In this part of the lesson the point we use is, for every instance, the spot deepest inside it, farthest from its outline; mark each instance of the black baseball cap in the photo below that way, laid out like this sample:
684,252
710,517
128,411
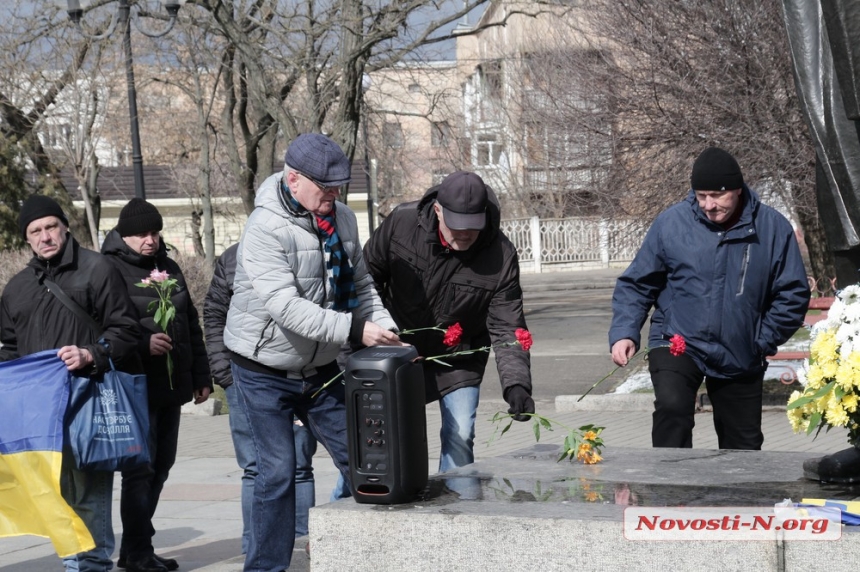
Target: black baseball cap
463,198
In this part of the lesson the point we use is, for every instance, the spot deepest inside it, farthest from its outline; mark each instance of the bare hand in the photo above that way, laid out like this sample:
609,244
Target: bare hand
622,351
201,395
160,344
376,335
74,357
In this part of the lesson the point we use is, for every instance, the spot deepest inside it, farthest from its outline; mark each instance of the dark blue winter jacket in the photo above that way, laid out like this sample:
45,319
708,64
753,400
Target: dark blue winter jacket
734,295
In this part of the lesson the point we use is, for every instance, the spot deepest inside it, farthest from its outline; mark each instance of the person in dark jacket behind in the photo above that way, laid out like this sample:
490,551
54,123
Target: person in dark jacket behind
443,260
135,248
32,319
724,272
215,309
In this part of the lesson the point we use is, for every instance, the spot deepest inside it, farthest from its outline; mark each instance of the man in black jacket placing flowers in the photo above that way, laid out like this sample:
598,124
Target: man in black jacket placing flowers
176,365
443,261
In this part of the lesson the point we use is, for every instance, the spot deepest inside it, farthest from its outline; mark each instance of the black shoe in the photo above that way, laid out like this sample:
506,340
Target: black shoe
147,564
842,467
169,563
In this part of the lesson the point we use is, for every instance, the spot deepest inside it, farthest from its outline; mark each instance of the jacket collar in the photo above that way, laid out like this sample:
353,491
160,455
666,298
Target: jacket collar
744,223
66,257
116,246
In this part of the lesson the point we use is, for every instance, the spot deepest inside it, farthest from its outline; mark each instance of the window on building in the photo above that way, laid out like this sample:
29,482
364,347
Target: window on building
440,134
439,175
392,135
489,148
58,135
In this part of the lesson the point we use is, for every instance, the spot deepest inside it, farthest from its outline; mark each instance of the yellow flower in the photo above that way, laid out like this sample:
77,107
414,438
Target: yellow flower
845,376
592,458
592,496
824,347
795,417
589,436
829,369
849,402
853,360
814,377
836,416
584,449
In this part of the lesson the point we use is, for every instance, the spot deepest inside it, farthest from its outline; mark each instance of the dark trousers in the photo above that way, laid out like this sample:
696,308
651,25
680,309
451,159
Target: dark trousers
736,402
142,485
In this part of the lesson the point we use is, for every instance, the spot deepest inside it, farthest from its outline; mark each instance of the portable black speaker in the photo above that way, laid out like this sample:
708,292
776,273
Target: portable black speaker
386,425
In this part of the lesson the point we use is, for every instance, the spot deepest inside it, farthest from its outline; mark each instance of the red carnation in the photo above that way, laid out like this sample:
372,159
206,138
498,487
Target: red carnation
677,345
524,337
453,335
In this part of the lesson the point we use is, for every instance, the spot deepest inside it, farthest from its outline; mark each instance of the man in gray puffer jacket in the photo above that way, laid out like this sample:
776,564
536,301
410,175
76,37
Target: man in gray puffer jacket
301,291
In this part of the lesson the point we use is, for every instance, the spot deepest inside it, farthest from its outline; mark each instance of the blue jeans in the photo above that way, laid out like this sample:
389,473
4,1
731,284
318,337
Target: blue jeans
340,490
271,401
89,493
458,427
306,447
306,492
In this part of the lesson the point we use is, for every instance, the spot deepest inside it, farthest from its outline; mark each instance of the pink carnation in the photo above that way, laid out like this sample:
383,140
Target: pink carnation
157,276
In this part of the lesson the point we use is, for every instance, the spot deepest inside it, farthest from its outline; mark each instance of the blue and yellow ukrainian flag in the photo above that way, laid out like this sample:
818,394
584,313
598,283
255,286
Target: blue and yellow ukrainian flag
35,393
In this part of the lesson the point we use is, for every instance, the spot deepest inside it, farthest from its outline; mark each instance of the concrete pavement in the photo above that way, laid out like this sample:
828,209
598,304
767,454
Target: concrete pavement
199,518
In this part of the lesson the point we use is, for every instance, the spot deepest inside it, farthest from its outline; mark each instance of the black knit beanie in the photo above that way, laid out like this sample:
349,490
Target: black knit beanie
716,170
138,217
36,207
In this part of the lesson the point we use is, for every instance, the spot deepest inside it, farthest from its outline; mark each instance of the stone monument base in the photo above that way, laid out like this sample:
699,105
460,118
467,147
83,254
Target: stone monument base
524,511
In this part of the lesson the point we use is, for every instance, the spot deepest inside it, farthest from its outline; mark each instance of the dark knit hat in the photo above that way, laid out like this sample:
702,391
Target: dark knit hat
463,198
319,159
138,217
716,170
36,207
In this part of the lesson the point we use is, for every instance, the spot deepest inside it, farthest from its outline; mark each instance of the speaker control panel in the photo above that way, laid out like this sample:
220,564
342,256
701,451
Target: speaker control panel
373,439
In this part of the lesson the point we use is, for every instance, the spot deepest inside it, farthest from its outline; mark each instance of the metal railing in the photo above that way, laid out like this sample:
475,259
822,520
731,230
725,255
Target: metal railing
570,243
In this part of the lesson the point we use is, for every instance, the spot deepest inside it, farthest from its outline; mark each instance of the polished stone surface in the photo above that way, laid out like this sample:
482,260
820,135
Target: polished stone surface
645,477
524,510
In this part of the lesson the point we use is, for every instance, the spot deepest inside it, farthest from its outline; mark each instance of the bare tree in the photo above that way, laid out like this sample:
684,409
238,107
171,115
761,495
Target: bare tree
607,105
37,64
298,66
686,75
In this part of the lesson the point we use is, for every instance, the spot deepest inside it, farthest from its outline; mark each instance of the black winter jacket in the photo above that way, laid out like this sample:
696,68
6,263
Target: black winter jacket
32,319
190,365
215,309
424,284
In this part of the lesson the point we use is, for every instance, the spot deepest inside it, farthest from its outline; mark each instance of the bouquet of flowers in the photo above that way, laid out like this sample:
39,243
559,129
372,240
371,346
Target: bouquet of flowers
164,310
831,374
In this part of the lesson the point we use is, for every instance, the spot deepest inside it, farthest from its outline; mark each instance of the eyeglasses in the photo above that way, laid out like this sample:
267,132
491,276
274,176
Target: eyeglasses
321,186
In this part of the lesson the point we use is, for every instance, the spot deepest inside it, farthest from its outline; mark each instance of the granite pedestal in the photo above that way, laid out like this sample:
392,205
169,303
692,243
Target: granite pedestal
524,511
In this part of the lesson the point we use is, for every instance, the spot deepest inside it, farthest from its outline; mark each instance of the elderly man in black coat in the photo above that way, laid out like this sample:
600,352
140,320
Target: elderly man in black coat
135,247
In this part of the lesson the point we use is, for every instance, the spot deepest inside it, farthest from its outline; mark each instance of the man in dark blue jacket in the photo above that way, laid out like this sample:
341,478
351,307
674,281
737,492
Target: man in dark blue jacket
723,271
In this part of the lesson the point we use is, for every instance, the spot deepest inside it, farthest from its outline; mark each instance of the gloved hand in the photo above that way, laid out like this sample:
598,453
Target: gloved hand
520,402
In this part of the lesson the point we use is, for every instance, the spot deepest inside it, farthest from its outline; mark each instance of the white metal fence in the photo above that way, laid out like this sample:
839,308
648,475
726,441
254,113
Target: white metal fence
565,244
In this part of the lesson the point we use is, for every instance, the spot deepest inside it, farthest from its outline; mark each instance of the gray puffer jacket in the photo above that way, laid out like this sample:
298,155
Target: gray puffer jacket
281,312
